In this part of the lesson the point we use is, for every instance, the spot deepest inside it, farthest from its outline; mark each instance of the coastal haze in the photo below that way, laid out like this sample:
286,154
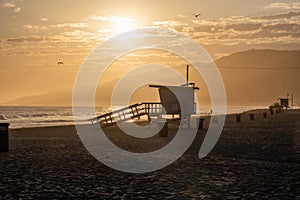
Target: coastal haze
254,45
254,77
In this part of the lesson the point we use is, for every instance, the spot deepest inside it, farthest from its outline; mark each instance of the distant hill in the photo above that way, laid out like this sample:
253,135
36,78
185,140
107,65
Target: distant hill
261,58
258,77
254,77
54,98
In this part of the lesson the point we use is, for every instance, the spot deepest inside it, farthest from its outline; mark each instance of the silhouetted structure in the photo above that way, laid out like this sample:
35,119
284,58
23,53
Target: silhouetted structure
178,101
4,137
284,102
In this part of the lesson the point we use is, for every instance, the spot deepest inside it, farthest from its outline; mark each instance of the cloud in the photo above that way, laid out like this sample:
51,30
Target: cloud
75,33
34,27
110,18
69,26
208,29
24,39
170,23
13,6
9,5
244,27
44,19
287,15
283,27
283,5
100,18
17,9
67,43
27,26
280,28
182,16
72,25
79,36
271,33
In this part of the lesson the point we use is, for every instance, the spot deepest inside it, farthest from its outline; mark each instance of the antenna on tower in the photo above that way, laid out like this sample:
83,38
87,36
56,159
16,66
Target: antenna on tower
187,74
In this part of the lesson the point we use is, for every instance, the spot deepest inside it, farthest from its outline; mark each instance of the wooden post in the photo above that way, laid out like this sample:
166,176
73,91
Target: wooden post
238,117
251,115
265,115
4,137
164,131
201,120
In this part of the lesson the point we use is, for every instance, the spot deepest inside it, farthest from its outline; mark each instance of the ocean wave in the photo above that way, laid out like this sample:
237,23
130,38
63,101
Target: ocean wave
55,121
53,116
30,116
13,117
35,115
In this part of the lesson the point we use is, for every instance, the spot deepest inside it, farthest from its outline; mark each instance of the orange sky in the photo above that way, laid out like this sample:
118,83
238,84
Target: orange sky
35,34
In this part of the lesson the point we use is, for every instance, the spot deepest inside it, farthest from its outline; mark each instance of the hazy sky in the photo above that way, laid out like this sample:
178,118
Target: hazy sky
35,34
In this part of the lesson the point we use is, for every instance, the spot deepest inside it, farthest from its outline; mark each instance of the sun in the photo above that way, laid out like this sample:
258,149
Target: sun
122,24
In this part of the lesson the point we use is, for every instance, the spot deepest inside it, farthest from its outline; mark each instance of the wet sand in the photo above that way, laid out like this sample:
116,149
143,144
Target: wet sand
252,159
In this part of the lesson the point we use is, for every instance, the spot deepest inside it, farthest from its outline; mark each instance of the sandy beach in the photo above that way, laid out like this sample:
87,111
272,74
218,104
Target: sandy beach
257,159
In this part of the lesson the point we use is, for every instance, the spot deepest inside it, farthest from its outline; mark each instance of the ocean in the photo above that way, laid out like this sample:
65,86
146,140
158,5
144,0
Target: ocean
31,116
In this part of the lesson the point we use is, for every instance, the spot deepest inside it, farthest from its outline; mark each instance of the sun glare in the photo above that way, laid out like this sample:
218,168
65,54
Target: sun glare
121,24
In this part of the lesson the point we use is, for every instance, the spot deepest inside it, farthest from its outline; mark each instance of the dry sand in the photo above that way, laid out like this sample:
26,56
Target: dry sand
252,159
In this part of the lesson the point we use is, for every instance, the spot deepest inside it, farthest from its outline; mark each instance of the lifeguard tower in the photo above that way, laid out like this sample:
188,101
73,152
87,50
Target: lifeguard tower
284,102
177,103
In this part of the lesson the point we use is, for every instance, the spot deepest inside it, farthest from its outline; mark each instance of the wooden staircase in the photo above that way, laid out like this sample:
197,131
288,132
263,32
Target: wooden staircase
124,114
135,111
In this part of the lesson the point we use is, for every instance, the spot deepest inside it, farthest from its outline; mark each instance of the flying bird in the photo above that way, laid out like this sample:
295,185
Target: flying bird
197,15
60,63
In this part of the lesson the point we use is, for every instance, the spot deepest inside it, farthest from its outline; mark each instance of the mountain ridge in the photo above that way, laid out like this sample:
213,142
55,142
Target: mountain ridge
267,58
244,85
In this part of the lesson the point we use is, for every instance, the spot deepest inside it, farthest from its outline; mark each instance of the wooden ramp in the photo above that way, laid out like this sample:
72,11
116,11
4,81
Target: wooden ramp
135,111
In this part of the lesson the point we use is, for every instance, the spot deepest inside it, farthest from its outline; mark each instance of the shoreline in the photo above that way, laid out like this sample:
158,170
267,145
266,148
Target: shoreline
52,116
254,111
